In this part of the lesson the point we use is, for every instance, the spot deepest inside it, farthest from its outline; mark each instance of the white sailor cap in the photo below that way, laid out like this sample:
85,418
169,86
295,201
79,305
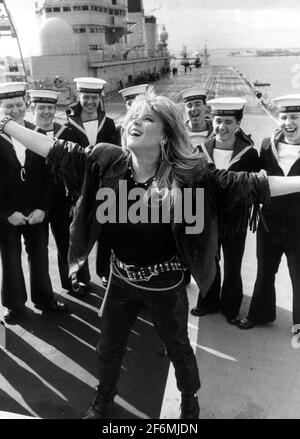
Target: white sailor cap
90,85
191,94
227,106
133,92
288,103
43,96
10,90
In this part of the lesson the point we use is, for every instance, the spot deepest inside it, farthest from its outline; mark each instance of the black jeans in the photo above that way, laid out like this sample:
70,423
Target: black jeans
169,313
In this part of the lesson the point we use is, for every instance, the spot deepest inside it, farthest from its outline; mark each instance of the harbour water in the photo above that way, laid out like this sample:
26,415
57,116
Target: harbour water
283,72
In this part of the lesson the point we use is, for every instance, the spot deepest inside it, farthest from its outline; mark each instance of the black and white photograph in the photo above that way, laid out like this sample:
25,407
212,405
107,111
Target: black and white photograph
149,213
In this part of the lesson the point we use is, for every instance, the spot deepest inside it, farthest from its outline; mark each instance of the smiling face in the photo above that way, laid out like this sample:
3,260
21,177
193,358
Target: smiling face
89,102
289,123
14,107
225,128
144,131
195,111
43,114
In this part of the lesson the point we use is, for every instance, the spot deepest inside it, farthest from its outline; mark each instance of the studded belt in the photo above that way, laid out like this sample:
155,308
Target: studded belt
135,273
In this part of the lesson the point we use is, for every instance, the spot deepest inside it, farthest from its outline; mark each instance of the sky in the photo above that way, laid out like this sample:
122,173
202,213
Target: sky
222,23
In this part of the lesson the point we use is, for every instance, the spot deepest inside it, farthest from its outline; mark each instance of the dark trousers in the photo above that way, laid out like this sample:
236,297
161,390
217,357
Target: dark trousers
230,297
13,290
103,258
60,221
269,250
169,314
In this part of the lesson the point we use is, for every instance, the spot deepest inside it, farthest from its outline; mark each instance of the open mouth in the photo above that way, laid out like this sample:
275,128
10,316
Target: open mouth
290,130
134,132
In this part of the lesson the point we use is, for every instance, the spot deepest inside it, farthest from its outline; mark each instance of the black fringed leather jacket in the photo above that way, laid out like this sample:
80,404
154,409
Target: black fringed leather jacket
107,164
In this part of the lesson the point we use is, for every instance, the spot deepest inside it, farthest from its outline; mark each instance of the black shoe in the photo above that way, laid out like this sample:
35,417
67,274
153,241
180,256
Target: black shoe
53,306
199,312
246,324
80,292
189,408
104,281
233,320
101,405
12,315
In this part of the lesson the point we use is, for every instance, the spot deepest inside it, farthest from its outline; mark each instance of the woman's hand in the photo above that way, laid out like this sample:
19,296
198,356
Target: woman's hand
36,217
17,219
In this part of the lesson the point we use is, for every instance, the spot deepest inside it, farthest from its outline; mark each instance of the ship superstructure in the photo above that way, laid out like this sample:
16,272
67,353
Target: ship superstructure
110,39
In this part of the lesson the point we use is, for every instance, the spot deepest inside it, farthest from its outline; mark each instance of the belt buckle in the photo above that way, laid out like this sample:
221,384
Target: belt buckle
152,273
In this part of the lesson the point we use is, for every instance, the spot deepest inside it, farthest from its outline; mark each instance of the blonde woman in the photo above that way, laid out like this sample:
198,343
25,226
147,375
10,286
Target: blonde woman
157,163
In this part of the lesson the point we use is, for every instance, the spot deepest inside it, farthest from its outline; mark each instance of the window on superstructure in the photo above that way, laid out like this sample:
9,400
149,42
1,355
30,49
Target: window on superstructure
76,8
66,9
105,10
82,30
95,47
100,9
48,9
56,9
94,8
111,12
85,8
116,11
114,2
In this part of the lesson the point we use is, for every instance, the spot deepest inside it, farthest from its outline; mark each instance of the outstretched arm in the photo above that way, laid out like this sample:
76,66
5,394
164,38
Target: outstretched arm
283,185
36,142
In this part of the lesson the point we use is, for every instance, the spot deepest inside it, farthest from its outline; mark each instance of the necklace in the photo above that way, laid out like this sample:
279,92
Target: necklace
146,184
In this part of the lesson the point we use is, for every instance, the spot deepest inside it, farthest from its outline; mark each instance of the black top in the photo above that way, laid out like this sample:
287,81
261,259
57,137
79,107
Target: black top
125,239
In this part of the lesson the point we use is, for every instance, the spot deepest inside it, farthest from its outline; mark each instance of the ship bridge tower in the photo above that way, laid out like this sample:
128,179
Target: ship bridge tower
96,25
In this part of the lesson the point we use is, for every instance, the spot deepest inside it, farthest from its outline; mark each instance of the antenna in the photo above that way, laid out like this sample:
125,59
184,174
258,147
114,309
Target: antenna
8,29
152,10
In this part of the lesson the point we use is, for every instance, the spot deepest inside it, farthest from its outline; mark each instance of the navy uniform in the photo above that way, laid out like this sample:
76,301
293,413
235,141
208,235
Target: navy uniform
233,223
199,127
60,216
24,200
279,229
90,133
95,131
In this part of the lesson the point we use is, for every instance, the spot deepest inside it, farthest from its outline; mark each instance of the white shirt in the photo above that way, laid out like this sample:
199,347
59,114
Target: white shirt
50,134
198,137
287,155
222,158
91,129
20,151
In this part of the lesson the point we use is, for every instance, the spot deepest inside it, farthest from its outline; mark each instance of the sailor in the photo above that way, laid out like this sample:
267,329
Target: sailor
86,118
24,201
198,124
279,233
231,149
89,126
130,93
43,106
